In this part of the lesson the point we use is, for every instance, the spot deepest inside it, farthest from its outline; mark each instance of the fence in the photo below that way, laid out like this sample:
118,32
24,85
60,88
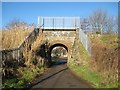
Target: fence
29,39
16,54
85,41
13,55
59,22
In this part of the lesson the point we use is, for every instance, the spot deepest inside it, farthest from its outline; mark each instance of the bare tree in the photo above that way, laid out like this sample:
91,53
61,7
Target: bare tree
16,24
85,24
116,24
110,25
98,20
13,24
101,21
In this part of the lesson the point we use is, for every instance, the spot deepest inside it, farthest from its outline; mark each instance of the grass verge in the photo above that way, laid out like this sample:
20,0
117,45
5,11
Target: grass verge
94,78
27,75
86,70
85,73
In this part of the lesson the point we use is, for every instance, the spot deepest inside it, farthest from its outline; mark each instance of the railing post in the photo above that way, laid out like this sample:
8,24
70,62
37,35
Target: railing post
75,22
43,23
86,43
79,23
53,23
63,22
38,21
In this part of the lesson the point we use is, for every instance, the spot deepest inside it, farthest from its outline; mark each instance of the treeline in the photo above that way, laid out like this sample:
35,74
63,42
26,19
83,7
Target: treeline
100,22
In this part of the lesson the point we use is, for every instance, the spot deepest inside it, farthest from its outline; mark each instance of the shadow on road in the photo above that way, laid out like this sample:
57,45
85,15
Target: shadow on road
57,63
46,78
59,75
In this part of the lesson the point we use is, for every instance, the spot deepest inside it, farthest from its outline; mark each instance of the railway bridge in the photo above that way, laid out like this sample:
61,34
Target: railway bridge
61,31
53,32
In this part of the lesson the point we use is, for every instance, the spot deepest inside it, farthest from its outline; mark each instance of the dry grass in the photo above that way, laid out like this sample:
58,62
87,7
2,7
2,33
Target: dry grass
104,61
108,40
13,38
27,74
105,57
30,54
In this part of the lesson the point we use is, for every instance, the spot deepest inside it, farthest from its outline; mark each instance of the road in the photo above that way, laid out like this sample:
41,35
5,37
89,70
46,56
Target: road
59,76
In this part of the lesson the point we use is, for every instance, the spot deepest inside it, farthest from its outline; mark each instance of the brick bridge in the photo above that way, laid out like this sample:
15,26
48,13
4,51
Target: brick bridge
65,38
59,31
50,32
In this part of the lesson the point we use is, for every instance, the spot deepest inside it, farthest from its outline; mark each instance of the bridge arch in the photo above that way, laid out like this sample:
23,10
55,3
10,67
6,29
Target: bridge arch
58,43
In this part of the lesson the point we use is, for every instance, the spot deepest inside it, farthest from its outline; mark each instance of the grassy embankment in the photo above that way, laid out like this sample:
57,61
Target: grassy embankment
83,70
13,38
24,75
24,79
92,74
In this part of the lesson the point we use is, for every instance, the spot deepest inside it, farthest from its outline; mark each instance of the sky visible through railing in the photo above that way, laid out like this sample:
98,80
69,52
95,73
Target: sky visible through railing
60,22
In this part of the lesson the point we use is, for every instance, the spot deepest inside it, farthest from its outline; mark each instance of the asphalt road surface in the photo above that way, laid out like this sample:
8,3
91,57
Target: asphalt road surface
59,76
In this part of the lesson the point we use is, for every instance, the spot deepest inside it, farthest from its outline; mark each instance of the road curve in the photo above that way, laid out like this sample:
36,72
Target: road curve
60,76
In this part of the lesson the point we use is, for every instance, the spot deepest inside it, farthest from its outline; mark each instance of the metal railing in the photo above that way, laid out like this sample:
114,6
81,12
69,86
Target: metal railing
85,41
59,22
16,53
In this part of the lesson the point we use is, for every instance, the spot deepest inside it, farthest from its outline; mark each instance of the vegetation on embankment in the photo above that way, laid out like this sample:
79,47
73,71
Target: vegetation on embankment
84,72
22,76
14,33
13,38
15,74
101,69
79,64
25,77
105,51
108,40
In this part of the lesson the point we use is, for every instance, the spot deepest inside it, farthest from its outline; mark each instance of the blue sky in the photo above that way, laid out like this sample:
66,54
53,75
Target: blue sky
29,11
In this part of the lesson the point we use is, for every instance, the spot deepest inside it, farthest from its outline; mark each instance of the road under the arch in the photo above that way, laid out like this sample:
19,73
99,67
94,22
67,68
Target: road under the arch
60,76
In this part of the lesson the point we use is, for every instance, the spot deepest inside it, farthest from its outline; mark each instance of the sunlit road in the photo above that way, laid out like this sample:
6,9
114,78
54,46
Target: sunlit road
59,76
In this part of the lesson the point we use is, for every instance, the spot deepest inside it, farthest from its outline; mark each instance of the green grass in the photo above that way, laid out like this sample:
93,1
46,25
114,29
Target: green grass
14,83
83,53
93,77
55,61
27,76
85,73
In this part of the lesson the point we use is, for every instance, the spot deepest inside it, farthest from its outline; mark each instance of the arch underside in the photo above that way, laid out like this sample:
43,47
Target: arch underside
60,43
